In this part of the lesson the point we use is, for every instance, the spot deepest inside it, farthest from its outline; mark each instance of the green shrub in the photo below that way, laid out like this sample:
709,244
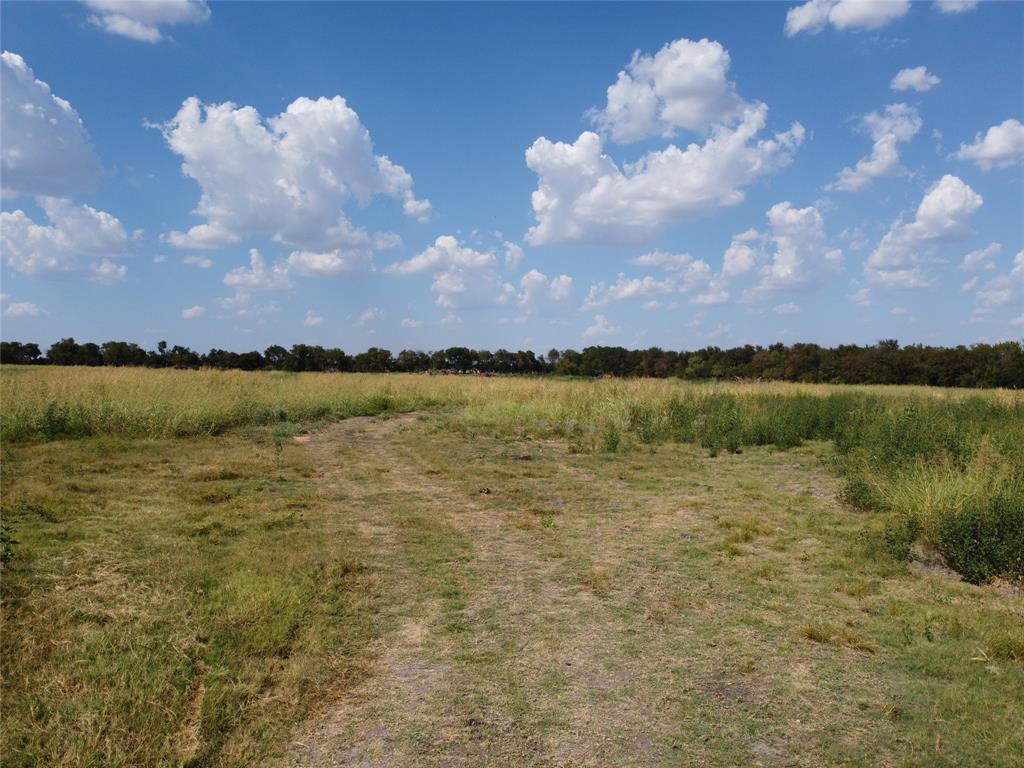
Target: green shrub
773,426
985,539
897,438
680,415
836,410
720,424
643,421
53,421
610,438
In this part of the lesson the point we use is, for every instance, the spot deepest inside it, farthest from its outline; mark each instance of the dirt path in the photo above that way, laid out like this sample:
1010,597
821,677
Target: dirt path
517,659
553,609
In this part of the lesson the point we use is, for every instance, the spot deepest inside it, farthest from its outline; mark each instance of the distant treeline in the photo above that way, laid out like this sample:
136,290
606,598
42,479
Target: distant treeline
979,365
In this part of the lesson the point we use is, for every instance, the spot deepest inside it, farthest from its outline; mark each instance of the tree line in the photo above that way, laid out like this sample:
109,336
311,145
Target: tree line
978,365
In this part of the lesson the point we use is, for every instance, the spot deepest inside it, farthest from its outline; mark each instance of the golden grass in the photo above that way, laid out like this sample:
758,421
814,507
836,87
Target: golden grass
74,401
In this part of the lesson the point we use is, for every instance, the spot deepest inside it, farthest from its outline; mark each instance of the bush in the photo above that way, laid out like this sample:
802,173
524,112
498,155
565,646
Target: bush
778,421
643,421
899,437
610,438
680,417
900,534
986,539
858,491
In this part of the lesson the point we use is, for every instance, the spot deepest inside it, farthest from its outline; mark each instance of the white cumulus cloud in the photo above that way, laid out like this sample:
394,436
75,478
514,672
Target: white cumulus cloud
624,288
446,252
1002,146
463,277
941,219
741,257
1005,290
917,78
513,255
956,6
715,294
369,316
79,240
789,308
813,16
198,261
539,294
600,327
312,319
684,273
898,123
793,254
45,149
23,309
193,312
258,276
671,262
141,19
329,263
684,85
583,196
467,288
861,297
286,177
798,254
982,258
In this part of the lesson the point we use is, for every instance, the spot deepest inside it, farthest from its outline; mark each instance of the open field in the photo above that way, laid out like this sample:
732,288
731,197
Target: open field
207,568
41,402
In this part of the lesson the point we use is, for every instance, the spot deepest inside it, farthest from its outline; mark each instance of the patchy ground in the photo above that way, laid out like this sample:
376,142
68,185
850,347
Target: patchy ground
416,591
649,608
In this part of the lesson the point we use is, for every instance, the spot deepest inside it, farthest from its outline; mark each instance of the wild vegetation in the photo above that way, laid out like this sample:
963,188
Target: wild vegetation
227,568
941,464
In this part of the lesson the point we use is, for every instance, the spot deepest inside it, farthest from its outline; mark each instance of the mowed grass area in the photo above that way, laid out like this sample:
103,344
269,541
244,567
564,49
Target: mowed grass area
172,601
523,572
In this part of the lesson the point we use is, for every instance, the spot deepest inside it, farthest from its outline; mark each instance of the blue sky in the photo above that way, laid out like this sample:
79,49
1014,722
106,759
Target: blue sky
513,175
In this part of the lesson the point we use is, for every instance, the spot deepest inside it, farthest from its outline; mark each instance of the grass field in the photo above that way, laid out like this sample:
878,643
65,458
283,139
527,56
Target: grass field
215,569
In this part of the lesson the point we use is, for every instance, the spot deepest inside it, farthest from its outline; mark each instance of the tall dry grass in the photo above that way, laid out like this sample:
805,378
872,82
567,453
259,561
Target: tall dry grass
47,402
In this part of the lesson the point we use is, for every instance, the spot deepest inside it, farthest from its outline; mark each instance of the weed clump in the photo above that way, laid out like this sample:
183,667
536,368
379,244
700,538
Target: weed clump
1008,645
829,634
680,415
643,420
610,438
